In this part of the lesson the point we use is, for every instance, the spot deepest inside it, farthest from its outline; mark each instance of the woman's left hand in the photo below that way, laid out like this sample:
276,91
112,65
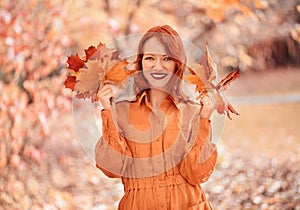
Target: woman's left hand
207,107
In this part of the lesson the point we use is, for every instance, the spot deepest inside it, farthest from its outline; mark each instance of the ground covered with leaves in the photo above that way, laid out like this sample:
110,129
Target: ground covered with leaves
67,179
255,183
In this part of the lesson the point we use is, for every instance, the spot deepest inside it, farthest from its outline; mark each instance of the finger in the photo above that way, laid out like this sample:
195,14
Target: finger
108,82
104,89
105,84
105,93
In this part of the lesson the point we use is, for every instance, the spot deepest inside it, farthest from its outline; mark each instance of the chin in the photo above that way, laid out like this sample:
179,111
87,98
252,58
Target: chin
158,84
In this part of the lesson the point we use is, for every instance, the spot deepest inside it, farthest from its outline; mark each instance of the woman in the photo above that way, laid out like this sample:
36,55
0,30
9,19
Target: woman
159,144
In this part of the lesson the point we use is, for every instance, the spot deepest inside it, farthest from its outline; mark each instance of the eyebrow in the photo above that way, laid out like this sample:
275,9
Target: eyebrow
153,54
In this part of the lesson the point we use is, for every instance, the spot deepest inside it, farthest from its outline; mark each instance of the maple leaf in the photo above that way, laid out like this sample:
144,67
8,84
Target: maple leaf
89,79
204,74
101,65
75,63
220,103
118,72
223,106
199,79
195,80
225,82
115,55
210,64
70,82
94,53
90,52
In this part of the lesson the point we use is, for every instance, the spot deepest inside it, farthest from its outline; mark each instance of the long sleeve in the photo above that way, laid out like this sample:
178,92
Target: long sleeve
112,152
201,155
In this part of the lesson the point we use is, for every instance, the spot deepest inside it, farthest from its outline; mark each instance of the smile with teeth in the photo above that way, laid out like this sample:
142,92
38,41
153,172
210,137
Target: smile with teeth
158,75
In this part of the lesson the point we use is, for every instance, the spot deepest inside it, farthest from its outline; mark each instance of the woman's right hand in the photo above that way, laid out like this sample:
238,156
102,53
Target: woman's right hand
105,94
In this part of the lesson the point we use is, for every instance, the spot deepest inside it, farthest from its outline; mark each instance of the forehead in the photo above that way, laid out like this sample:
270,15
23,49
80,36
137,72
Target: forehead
153,46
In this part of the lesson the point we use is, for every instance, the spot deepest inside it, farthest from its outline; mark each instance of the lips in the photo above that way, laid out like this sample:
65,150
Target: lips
159,76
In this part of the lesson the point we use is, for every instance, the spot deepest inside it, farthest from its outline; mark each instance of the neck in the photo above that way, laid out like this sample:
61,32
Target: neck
156,97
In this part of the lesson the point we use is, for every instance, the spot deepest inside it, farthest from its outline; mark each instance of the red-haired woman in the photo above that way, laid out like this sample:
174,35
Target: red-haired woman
158,143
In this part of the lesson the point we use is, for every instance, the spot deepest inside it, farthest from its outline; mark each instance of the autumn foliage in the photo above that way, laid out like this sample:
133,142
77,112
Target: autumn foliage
31,64
100,65
204,76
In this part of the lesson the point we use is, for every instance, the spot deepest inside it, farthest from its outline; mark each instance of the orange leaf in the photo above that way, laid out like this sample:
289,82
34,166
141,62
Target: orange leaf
118,73
199,71
195,80
202,83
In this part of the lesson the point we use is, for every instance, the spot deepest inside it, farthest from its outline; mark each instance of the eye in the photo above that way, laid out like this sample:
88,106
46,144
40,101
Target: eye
148,58
167,58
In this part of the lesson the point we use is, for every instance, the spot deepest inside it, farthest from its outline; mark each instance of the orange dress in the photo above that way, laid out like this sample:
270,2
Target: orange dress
162,155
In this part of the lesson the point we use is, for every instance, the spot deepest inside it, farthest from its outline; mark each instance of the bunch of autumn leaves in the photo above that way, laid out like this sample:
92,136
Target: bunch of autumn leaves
102,65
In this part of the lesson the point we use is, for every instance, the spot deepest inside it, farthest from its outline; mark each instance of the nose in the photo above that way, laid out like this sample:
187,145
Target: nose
158,64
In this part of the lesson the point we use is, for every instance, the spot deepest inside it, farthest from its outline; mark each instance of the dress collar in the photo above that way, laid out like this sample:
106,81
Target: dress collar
144,98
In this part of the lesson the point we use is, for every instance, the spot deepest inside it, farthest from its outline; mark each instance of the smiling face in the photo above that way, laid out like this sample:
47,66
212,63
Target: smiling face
158,67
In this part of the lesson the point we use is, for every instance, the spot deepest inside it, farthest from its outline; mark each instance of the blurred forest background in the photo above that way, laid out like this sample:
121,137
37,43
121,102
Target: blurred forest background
42,164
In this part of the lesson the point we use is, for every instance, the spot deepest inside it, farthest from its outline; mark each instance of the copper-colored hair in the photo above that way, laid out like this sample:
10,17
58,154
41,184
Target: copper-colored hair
172,42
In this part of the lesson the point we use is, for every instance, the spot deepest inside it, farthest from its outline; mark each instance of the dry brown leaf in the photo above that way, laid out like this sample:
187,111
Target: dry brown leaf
89,79
204,75
225,82
101,64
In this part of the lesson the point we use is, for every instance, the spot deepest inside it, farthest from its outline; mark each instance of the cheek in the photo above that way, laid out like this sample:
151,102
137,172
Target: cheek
171,67
145,65
146,74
